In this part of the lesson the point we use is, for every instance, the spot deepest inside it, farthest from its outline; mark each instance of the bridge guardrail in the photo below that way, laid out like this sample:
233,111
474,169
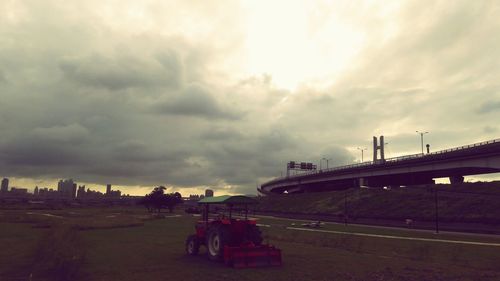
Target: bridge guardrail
392,160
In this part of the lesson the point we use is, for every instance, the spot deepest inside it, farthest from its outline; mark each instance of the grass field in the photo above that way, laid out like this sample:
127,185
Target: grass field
467,203
128,244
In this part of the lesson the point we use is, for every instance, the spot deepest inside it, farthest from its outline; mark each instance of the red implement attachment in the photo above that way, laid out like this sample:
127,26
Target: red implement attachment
252,256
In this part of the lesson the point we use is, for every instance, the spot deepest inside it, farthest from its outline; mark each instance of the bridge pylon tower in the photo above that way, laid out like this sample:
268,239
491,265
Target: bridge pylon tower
378,147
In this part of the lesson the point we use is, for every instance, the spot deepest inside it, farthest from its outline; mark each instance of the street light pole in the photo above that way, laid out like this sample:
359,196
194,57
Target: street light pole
436,208
345,207
362,150
422,139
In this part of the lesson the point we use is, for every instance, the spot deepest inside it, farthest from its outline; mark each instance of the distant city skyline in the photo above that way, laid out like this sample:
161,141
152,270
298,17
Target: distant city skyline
66,189
222,94
31,184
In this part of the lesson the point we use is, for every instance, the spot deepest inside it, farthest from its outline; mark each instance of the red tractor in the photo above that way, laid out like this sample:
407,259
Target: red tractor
233,239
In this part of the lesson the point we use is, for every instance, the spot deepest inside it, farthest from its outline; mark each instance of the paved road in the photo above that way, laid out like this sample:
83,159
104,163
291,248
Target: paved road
391,227
397,237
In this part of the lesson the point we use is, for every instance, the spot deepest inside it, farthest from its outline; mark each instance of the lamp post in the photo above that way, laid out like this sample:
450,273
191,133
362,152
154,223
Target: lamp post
345,207
422,139
327,159
362,150
436,208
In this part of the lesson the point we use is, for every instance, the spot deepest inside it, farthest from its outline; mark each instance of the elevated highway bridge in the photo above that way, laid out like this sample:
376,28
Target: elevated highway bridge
416,169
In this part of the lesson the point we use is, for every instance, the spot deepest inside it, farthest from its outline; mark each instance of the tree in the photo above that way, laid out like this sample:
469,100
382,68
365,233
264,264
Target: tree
171,200
146,202
157,199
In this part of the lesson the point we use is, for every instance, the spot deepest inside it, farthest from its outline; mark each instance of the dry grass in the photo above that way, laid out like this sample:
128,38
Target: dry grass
59,255
106,250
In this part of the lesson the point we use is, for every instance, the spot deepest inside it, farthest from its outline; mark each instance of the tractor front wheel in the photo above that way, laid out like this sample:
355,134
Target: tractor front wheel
192,245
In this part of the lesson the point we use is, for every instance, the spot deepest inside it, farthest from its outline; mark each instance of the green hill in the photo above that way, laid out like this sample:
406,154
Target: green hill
468,202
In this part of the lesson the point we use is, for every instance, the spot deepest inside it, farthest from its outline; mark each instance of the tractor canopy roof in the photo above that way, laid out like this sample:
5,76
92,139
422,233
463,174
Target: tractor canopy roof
228,200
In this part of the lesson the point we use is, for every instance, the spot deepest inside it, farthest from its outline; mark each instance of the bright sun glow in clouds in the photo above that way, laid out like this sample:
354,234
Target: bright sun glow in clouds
293,46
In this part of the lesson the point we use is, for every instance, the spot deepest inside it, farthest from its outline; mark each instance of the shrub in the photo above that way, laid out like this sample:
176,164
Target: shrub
60,254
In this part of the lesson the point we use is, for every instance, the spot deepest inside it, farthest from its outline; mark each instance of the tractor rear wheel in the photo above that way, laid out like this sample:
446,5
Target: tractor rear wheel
192,245
217,238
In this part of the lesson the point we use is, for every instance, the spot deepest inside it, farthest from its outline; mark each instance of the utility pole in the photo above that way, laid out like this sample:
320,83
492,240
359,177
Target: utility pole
362,150
422,139
436,208
345,207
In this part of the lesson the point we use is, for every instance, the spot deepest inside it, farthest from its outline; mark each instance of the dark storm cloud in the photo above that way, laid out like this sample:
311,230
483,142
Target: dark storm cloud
78,98
221,134
73,133
198,102
135,151
243,162
33,153
125,71
57,145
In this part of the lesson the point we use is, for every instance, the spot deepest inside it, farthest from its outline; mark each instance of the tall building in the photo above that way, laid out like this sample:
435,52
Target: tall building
20,192
67,188
45,192
209,193
35,192
5,185
112,193
81,192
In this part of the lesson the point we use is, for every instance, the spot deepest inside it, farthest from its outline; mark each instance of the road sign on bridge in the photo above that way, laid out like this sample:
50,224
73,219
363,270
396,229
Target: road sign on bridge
296,166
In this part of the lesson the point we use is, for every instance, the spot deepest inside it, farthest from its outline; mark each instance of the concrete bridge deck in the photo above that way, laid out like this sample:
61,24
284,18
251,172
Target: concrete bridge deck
454,163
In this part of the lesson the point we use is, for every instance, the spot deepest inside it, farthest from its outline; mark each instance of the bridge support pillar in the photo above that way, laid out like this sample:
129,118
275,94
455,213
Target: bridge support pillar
360,182
456,179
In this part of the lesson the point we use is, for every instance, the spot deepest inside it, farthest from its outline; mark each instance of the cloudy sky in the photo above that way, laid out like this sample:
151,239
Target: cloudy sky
221,94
